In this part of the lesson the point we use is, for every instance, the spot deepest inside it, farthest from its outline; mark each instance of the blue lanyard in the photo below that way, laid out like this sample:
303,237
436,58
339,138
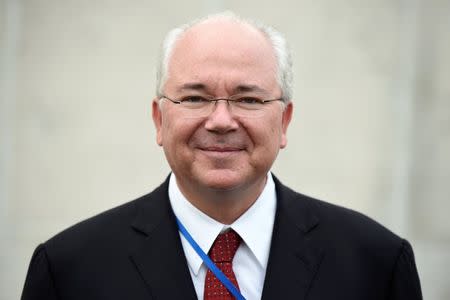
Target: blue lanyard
209,263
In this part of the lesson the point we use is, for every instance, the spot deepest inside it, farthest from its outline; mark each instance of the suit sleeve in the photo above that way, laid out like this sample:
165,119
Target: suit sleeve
39,282
405,283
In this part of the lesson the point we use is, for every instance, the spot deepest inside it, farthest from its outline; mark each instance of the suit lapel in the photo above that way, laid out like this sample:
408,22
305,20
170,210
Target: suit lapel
294,258
160,259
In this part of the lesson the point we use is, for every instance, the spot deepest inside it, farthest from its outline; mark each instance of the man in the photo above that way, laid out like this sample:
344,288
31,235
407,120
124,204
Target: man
221,115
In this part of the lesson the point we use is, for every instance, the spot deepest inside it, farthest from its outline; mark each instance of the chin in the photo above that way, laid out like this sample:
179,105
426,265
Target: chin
221,180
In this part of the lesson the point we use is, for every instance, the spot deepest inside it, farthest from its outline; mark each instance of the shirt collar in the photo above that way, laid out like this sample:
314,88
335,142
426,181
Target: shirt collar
255,226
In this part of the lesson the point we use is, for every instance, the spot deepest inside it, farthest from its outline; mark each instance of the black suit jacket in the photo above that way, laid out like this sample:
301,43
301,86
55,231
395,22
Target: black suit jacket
318,251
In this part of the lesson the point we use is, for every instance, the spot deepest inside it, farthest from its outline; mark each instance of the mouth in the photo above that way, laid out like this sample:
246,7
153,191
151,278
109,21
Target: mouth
221,149
222,152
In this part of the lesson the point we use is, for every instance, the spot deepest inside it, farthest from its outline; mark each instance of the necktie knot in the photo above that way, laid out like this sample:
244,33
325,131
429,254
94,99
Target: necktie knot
225,246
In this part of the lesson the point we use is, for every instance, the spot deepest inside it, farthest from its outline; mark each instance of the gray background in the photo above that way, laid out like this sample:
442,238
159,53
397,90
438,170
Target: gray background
371,128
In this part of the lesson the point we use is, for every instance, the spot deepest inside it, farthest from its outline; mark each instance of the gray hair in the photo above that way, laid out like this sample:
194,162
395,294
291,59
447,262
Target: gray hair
282,53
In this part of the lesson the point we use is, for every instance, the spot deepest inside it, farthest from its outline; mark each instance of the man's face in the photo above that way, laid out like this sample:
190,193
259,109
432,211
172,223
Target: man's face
221,151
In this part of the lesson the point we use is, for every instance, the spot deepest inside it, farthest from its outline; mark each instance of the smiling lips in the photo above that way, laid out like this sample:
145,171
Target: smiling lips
221,149
219,146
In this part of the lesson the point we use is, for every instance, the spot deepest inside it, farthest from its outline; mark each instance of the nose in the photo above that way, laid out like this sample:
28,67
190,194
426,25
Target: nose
221,120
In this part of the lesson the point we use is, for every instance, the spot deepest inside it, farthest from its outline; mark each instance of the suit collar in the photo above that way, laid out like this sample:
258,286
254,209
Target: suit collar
294,258
256,231
159,258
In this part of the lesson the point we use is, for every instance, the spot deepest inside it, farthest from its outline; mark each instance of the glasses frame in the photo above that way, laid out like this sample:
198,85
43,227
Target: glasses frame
229,103
263,101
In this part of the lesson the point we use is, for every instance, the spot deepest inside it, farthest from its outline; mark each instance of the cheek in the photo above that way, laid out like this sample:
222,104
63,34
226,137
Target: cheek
273,140
177,131
266,136
273,133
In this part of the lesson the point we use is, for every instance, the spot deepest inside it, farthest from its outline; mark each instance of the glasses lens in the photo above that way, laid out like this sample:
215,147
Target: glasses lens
198,107
248,108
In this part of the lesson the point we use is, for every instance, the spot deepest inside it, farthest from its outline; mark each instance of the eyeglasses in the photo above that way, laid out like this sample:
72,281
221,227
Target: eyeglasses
201,106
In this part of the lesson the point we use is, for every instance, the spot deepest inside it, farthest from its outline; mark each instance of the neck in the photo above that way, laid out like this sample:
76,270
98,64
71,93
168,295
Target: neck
224,206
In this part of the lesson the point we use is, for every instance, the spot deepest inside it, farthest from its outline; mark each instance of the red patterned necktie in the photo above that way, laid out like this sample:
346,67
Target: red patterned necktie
222,253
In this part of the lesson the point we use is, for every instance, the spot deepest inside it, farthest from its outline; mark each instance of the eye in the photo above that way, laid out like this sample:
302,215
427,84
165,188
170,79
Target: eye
194,100
249,101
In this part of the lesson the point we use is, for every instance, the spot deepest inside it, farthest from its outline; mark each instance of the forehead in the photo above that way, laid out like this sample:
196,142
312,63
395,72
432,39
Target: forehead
222,51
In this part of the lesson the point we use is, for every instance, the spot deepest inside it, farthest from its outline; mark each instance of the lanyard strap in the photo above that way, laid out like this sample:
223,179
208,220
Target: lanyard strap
209,263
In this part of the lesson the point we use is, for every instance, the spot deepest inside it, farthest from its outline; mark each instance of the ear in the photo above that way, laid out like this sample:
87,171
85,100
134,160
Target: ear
286,119
157,120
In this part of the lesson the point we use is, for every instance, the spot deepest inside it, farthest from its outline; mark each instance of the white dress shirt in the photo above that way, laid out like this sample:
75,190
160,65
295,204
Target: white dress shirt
255,227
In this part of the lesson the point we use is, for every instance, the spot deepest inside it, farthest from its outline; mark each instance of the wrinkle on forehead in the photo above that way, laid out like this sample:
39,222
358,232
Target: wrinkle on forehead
241,88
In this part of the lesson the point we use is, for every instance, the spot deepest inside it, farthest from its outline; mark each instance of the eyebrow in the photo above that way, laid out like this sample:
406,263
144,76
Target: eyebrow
247,88
195,86
242,88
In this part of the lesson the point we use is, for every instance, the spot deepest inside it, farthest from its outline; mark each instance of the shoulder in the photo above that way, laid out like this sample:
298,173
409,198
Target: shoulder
115,227
375,261
337,226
